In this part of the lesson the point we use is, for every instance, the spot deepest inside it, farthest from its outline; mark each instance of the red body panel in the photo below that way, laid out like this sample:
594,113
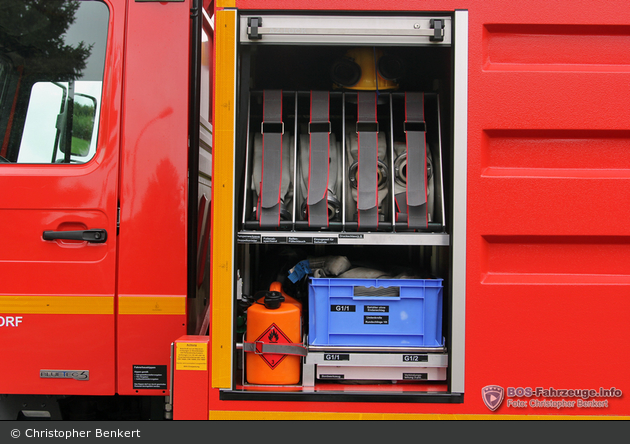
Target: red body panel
141,165
547,265
154,163
136,347
36,198
547,234
191,401
37,344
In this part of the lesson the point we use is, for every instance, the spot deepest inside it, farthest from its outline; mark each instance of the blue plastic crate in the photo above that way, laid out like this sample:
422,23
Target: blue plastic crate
375,312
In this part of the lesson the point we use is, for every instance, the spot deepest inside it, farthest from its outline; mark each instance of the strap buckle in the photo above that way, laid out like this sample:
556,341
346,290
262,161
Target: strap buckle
272,127
319,127
420,127
258,347
367,127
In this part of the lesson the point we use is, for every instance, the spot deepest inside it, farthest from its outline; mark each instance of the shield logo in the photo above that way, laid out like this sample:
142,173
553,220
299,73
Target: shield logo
492,396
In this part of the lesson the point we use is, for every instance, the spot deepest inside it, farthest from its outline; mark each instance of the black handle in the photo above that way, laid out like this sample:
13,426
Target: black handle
96,235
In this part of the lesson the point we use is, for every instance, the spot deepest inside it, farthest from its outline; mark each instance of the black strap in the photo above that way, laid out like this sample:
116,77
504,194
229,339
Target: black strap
271,176
318,163
367,174
416,188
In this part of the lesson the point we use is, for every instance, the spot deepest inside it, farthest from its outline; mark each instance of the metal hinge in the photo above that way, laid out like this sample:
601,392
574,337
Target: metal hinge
438,26
253,23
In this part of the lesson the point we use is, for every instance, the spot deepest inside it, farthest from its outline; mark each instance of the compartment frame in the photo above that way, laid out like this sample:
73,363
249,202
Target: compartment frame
452,237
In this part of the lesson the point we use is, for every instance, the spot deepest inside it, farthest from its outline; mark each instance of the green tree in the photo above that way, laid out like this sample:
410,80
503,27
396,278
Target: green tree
32,33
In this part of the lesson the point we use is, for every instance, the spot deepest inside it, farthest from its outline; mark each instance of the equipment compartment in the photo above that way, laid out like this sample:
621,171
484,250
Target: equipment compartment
328,165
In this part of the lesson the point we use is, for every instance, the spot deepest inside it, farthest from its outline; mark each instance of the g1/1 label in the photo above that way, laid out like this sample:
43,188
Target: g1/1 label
336,357
342,308
415,358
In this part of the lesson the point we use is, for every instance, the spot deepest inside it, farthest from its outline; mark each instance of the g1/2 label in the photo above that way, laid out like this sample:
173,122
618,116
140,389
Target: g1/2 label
343,308
415,358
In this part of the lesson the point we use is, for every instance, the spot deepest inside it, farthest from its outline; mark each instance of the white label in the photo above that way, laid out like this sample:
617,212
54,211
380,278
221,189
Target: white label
10,321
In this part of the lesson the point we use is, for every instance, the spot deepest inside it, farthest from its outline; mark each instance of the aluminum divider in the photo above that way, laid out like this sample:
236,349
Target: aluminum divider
392,188
438,169
295,158
343,161
246,179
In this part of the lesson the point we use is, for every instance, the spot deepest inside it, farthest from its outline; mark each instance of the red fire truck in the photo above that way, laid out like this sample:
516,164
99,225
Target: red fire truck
287,210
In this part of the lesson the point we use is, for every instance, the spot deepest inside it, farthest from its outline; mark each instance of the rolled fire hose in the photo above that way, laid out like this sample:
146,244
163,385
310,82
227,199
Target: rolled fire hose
335,175
400,175
326,266
286,190
352,156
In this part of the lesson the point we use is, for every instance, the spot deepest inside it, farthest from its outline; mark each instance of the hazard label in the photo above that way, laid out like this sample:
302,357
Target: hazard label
273,335
191,356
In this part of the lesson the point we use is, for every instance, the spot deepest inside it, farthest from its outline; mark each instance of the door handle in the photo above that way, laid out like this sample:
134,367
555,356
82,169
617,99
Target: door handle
96,235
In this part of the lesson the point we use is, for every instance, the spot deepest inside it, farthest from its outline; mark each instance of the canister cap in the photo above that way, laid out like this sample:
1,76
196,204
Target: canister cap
273,299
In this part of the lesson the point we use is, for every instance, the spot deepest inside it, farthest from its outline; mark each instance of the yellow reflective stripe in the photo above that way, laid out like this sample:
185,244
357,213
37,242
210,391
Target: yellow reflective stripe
332,416
151,305
223,198
57,305
226,3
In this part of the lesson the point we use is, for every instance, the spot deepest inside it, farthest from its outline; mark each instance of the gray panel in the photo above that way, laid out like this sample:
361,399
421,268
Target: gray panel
460,166
378,359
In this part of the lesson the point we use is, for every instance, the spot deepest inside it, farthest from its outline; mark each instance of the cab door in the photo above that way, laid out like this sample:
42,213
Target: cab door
60,95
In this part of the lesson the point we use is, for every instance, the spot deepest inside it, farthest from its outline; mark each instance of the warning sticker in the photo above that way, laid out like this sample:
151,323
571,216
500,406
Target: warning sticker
191,356
149,377
273,335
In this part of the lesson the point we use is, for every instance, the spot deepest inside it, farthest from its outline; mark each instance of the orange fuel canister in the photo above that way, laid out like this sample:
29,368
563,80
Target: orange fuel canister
277,286
273,341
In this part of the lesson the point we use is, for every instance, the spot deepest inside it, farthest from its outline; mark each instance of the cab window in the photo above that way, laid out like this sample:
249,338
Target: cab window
52,60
